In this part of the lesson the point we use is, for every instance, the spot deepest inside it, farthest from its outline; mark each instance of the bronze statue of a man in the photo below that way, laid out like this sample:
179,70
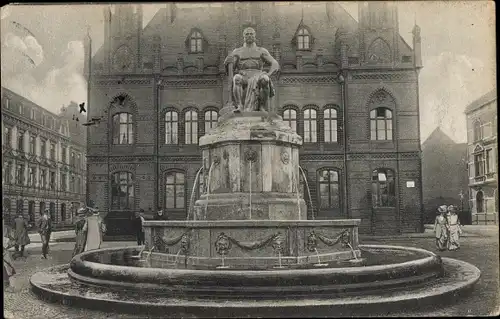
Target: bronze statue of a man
251,85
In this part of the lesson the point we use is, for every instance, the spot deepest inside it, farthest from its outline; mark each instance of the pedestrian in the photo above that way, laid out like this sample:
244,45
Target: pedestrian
8,264
138,227
80,231
20,235
45,229
441,229
95,230
454,228
160,215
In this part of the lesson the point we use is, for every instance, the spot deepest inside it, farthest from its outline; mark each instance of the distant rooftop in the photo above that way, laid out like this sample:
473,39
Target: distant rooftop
485,99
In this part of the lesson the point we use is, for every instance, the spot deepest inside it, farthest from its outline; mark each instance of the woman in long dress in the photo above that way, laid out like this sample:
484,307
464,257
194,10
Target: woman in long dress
95,230
8,264
441,229
81,232
454,228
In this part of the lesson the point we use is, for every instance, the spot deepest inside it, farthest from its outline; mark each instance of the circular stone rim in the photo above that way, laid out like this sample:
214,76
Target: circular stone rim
429,294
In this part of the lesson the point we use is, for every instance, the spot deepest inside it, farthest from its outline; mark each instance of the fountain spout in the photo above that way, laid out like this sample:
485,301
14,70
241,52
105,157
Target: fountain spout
196,182
308,191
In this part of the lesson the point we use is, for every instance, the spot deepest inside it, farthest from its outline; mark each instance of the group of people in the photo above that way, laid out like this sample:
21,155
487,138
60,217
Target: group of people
447,228
89,229
17,236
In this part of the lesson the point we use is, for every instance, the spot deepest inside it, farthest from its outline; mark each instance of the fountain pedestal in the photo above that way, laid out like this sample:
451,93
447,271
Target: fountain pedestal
251,170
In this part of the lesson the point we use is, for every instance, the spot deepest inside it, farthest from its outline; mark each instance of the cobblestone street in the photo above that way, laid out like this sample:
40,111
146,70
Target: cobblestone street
480,251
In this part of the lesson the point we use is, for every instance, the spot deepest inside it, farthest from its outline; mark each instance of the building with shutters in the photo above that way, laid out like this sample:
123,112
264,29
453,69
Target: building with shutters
349,88
44,160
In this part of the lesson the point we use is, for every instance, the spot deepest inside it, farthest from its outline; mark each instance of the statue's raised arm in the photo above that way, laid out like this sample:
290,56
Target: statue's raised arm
251,85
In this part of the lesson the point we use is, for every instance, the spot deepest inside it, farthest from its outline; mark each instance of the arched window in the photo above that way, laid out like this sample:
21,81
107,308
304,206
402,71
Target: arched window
210,120
52,210
330,121
195,42
290,117
123,132
171,127
6,213
191,127
383,188
303,39
63,212
381,124
329,190
31,212
122,191
310,126
478,132
175,185
479,202
20,206
42,208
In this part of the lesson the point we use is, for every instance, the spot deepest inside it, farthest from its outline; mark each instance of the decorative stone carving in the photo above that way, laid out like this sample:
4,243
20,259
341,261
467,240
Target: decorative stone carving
285,157
216,160
222,244
278,243
225,154
185,244
250,155
312,242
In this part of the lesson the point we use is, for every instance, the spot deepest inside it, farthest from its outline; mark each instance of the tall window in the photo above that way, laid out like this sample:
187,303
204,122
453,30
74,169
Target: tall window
31,212
290,117
20,141
78,161
196,42
191,127
63,182
8,172
383,188
175,190
210,120
7,104
490,161
52,210
303,39
122,191
72,183
73,159
52,151
479,202
43,178
6,213
20,206
329,190
78,188
381,124
171,127
43,148
52,180
32,144
63,212
310,126
478,132
123,132
63,153
330,123
7,136
479,164
20,174
31,176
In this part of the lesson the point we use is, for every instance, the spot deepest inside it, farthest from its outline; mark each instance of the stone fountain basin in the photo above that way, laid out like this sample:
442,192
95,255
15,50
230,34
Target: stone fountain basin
93,268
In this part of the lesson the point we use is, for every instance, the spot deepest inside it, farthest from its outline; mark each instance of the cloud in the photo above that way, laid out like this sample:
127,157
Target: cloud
58,87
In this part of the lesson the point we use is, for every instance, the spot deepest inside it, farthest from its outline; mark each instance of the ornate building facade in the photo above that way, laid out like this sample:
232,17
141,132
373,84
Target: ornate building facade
349,88
44,160
482,150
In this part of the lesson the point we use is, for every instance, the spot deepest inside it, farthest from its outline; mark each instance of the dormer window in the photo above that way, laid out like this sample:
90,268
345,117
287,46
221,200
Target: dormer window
195,42
303,39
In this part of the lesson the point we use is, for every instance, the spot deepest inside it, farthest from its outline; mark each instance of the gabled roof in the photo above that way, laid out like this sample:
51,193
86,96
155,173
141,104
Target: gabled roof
483,100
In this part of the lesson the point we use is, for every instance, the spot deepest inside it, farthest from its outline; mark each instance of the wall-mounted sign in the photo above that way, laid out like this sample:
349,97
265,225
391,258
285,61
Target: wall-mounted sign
410,184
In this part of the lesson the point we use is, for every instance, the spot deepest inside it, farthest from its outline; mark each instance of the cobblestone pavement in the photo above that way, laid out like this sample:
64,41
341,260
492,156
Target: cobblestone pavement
481,252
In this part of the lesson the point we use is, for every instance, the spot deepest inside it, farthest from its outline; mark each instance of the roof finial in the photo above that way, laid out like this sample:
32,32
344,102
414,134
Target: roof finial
302,15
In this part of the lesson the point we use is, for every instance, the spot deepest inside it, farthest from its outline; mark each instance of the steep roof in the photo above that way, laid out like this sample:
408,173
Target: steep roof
438,137
485,99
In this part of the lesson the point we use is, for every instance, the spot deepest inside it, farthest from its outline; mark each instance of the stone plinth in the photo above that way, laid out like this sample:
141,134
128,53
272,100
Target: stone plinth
245,243
251,170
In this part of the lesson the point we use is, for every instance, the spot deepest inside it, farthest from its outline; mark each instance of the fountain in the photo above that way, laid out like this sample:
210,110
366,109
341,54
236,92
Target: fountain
251,250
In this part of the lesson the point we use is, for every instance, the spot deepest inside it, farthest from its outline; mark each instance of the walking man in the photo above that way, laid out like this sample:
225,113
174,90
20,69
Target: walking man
45,229
21,237
139,231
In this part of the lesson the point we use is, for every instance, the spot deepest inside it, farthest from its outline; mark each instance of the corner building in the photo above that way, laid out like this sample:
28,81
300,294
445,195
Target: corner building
349,88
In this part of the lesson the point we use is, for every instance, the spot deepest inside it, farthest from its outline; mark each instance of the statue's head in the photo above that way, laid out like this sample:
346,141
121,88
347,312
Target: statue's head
249,35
